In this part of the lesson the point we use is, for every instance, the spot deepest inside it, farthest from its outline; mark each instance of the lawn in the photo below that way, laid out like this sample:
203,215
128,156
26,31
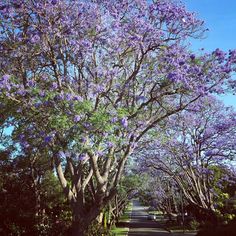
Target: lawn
120,231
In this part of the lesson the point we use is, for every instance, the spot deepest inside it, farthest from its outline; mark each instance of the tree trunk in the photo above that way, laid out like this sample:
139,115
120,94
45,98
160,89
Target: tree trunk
100,217
203,214
83,218
37,202
78,229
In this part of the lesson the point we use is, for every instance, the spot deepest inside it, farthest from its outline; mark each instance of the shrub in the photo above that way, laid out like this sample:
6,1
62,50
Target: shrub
193,224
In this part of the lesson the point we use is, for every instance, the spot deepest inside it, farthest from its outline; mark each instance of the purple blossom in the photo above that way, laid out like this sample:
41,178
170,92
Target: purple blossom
21,137
227,69
173,76
134,145
100,153
124,122
54,86
82,157
47,103
31,83
61,154
19,110
5,82
42,94
232,56
140,98
5,78
98,89
67,153
87,125
37,105
83,140
41,133
25,144
21,92
2,7
59,97
35,39
77,118
110,144
77,98
48,139
114,119
219,54
68,97
192,56
54,2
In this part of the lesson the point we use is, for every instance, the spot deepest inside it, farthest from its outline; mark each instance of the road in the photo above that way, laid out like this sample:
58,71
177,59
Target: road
141,226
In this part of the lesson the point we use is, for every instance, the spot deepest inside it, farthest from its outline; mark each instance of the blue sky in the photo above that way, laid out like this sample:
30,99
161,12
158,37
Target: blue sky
220,19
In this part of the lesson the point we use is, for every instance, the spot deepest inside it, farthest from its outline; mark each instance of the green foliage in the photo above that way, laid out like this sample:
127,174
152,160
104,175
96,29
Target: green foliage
100,120
96,229
22,183
194,224
120,231
85,106
59,122
122,112
128,182
229,217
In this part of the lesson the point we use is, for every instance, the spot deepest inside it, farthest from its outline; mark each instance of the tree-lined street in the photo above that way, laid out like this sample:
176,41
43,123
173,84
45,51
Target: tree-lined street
140,225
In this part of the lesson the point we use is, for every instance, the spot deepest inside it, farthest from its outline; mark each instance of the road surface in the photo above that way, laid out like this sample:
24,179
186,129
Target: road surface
140,226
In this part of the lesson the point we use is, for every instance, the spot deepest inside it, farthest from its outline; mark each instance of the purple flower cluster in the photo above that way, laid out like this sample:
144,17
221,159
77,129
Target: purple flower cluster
77,118
124,122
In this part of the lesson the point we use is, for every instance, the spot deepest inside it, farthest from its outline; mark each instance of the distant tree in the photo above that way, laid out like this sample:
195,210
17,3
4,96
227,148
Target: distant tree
162,194
196,144
128,188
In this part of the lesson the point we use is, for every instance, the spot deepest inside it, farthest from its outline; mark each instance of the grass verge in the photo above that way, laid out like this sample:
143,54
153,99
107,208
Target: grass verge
125,218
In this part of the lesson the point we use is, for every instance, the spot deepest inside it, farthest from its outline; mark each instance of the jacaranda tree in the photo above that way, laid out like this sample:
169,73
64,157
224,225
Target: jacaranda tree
86,80
196,150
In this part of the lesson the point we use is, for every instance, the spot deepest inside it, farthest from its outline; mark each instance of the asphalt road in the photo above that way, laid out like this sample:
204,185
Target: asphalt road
141,226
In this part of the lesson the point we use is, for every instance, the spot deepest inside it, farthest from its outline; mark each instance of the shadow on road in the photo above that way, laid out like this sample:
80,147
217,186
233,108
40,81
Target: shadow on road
140,225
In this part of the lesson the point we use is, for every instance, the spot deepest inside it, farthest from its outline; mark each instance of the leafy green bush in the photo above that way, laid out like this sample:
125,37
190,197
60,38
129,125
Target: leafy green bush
193,224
